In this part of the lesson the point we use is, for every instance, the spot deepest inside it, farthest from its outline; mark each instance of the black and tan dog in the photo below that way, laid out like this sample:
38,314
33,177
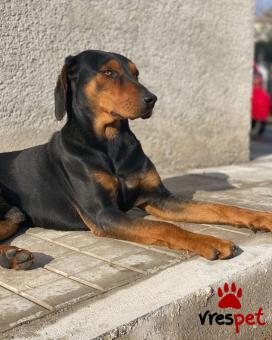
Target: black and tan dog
94,170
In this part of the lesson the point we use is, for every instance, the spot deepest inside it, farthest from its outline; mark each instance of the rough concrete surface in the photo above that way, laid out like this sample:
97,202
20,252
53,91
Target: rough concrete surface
120,299
195,55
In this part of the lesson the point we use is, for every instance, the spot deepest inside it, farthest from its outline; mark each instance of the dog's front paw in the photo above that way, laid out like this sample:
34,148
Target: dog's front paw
12,257
262,221
213,248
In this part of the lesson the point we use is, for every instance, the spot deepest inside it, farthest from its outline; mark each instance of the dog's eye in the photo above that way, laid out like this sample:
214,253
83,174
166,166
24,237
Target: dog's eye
109,73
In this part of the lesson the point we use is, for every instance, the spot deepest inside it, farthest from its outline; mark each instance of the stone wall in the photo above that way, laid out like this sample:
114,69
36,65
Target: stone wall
195,55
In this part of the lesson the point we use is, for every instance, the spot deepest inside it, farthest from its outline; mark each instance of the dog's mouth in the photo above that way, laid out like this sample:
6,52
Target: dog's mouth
147,115
119,116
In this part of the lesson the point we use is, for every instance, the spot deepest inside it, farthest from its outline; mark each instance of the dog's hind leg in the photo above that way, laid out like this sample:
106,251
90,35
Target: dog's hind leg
10,256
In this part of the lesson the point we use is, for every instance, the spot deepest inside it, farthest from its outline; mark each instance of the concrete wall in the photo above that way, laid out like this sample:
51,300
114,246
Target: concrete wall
195,55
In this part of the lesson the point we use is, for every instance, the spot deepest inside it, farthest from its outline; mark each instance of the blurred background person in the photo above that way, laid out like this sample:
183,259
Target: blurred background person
260,104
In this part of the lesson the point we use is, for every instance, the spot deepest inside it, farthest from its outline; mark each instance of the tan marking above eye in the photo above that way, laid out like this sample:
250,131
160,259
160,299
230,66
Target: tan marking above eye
112,65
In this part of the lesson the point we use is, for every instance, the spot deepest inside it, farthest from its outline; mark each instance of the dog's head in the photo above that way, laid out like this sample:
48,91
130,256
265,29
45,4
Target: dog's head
104,85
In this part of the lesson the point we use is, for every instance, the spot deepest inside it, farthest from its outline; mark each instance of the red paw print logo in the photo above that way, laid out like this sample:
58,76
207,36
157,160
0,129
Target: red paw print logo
230,296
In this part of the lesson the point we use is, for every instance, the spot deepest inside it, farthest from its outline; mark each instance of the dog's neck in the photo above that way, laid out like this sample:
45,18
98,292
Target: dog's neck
80,134
93,129
105,126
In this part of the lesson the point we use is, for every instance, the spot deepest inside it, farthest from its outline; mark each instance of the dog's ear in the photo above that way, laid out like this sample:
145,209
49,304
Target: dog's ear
62,91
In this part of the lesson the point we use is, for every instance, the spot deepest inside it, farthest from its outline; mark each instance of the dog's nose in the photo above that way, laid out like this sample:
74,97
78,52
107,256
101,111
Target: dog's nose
150,99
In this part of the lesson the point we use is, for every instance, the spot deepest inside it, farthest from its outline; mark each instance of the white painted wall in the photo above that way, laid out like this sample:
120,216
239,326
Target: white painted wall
195,55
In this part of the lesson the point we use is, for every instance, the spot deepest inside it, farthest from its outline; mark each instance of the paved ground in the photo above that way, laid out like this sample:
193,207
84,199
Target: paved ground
71,267
75,266
261,146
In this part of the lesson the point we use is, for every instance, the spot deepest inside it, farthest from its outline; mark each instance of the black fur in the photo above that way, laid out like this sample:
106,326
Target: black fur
47,181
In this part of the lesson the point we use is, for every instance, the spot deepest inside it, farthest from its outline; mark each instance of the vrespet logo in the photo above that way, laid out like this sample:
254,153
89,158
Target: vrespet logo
230,298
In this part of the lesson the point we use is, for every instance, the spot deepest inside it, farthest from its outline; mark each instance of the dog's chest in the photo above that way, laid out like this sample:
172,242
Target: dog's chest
128,192
128,163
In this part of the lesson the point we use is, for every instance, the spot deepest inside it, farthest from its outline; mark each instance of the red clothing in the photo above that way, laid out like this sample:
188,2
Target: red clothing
260,104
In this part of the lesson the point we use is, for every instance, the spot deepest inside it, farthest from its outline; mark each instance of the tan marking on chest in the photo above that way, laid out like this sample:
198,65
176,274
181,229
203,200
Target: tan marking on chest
147,181
107,181
150,180
112,130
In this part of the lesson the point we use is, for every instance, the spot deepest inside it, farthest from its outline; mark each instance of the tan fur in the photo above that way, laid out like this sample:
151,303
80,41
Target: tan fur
7,229
146,181
89,224
108,182
211,214
150,180
106,97
112,65
165,234
111,131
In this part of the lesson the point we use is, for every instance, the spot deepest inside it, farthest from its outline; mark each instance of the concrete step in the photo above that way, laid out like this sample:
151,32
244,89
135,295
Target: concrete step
86,288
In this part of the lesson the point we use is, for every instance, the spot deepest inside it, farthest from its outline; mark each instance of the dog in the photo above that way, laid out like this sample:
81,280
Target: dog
94,170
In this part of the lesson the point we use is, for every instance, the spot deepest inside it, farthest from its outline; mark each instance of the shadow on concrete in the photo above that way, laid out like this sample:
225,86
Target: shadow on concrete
186,186
41,260
260,146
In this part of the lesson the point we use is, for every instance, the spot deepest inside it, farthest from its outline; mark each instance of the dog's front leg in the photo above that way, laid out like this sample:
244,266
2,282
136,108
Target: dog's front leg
174,209
116,224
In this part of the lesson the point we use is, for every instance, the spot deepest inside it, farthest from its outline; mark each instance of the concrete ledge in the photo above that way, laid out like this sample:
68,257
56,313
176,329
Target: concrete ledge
166,306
